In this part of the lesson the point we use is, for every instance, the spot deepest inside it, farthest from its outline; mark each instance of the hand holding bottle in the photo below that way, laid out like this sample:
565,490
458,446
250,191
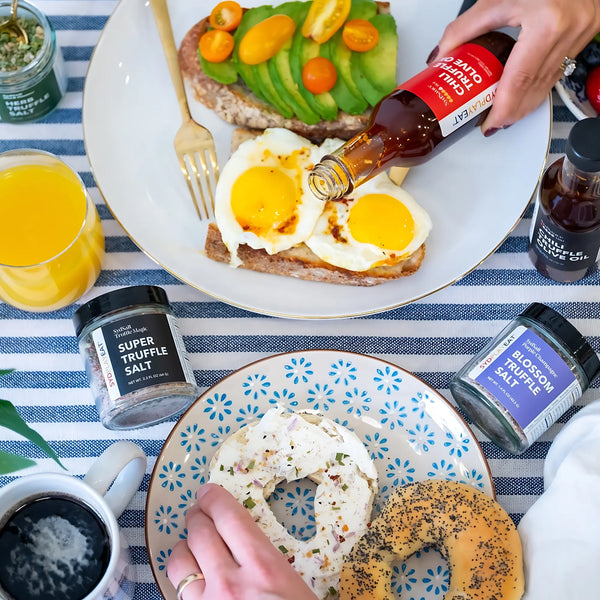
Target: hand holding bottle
550,31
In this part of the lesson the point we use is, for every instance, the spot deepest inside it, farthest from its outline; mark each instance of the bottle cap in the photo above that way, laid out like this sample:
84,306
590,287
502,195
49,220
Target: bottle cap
116,300
583,144
571,338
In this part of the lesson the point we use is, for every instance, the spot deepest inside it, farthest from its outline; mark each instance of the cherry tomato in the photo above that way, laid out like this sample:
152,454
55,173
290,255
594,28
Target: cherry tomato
319,75
216,45
226,15
592,88
265,39
324,18
360,35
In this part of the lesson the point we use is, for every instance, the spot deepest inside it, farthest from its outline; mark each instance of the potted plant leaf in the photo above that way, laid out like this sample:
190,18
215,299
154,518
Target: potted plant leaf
10,418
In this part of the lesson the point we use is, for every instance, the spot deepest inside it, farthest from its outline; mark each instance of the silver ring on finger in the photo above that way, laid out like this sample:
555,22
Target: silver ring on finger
568,66
186,581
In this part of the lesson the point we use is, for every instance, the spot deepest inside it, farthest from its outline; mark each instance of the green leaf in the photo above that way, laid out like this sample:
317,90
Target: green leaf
10,418
12,462
5,371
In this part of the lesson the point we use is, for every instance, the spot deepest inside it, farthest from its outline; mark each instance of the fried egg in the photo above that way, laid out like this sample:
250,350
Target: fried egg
262,197
378,224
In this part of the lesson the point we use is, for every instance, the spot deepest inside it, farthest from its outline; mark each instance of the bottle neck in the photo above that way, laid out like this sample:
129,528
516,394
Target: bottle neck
337,174
577,181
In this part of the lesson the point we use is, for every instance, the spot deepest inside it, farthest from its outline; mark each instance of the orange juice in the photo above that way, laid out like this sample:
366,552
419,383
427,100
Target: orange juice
51,239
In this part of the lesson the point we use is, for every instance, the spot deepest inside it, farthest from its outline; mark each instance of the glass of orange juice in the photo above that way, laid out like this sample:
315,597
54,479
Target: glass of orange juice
51,238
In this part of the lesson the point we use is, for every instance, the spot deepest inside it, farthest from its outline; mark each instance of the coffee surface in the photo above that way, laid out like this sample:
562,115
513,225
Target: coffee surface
52,548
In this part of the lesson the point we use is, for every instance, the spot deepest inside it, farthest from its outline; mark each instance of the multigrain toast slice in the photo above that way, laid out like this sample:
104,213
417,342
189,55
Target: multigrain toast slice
300,261
236,104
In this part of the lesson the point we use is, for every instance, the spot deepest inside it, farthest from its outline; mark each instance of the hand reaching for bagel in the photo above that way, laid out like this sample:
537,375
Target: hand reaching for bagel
551,30
230,556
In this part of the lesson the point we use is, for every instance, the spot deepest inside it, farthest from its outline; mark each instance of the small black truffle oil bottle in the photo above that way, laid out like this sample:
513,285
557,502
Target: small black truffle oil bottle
565,230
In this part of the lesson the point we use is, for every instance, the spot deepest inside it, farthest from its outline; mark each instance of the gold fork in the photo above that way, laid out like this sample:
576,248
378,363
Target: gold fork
194,144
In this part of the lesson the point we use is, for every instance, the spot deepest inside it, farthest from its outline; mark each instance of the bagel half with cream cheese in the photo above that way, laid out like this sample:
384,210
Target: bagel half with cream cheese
288,446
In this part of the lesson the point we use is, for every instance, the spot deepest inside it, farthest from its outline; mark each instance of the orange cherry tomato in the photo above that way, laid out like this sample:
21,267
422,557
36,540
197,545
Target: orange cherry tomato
226,15
324,18
319,75
216,45
360,35
266,38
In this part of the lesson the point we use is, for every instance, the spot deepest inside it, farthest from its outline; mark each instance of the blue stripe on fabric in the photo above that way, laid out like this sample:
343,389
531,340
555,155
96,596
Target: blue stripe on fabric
63,116
523,277
78,22
41,345
75,84
44,380
82,53
558,146
120,243
137,277
57,146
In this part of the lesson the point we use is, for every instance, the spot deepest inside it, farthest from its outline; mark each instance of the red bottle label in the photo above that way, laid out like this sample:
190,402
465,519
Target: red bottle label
458,87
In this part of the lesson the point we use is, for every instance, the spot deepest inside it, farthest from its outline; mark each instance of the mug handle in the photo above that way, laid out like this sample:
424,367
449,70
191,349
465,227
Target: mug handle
117,473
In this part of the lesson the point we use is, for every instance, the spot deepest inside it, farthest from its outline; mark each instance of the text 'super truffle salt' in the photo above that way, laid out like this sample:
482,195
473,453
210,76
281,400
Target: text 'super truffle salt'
135,357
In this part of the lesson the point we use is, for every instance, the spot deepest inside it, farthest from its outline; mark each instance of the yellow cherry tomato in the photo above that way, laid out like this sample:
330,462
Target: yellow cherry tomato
265,39
324,18
319,75
216,45
226,15
360,35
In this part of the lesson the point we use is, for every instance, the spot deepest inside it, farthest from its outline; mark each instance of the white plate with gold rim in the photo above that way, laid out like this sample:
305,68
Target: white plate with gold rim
411,432
475,192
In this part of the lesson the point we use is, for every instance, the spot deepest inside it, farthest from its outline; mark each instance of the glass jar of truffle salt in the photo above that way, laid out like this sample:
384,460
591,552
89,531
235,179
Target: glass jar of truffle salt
32,76
526,378
134,357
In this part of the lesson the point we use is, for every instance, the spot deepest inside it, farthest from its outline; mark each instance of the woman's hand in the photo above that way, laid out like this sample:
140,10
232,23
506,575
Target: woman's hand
550,31
237,560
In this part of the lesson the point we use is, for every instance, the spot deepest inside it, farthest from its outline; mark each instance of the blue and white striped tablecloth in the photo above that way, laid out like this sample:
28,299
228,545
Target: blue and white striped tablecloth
432,338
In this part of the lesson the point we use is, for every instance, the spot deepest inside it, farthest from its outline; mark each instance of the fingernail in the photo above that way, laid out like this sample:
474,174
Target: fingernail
490,131
433,54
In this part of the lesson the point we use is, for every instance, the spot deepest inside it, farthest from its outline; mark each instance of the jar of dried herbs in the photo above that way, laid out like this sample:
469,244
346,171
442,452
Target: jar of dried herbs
32,75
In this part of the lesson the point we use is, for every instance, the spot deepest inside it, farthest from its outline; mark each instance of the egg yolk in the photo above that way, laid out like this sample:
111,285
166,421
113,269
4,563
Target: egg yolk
264,199
381,220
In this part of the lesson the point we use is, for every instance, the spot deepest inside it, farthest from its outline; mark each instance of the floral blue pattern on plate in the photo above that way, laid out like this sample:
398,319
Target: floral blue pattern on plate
411,432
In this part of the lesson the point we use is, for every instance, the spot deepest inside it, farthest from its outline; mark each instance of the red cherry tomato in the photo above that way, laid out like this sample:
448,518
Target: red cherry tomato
360,35
319,75
592,88
226,15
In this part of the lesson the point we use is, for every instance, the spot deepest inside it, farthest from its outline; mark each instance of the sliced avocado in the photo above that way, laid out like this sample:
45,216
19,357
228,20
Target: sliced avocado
374,71
223,72
302,50
347,97
362,9
265,84
281,71
247,72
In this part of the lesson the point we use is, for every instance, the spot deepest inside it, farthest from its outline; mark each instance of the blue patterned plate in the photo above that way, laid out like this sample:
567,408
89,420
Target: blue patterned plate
411,432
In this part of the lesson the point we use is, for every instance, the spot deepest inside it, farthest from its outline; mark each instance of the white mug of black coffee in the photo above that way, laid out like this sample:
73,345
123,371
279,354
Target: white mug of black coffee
59,537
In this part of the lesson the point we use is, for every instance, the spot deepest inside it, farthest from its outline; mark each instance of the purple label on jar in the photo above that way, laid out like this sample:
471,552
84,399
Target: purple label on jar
525,375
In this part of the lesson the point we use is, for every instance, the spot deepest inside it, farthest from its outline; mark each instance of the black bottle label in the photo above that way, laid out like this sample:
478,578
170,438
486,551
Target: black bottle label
140,351
561,249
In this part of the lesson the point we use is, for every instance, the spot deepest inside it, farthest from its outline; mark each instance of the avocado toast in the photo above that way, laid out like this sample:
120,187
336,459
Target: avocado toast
272,94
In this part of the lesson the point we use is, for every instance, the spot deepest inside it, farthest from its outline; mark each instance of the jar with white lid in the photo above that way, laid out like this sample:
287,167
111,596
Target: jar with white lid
135,357
522,381
32,87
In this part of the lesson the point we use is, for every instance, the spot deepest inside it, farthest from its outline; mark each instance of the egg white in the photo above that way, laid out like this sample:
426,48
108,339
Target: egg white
268,150
343,251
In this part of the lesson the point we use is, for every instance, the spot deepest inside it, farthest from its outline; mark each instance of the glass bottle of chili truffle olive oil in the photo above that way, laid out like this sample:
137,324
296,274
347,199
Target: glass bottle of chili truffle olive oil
565,228
422,117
